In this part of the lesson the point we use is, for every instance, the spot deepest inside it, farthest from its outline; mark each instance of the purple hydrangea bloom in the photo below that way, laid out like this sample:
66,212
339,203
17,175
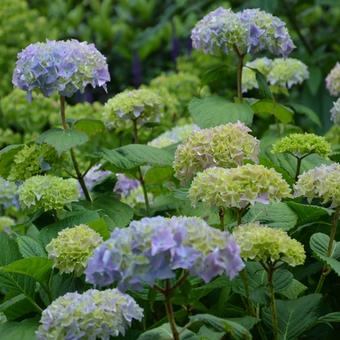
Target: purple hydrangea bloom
60,66
95,176
153,248
125,185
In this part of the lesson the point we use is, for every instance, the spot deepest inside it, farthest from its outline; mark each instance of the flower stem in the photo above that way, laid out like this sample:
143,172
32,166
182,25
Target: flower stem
270,272
169,310
240,57
73,156
325,269
221,215
140,174
298,168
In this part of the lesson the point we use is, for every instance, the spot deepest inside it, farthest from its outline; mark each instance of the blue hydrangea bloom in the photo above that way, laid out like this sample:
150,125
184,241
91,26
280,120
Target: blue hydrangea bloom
153,248
91,315
60,66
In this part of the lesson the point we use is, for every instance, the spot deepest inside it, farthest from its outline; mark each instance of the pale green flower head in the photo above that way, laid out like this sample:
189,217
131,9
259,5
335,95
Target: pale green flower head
238,187
333,80
265,244
226,146
335,111
249,81
6,222
71,249
287,72
33,160
303,144
333,134
48,192
322,182
142,104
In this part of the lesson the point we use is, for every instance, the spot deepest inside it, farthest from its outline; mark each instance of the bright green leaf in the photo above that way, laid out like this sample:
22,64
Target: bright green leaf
91,127
281,112
29,247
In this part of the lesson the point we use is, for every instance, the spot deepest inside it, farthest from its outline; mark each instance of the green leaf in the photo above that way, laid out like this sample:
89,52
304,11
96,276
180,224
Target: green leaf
307,212
319,245
293,289
283,113
101,227
330,317
315,79
37,268
29,247
63,140
12,251
24,330
16,307
118,213
158,175
309,113
233,329
276,215
264,88
131,156
91,127
295,316
6,158
213,111
206,333
164,333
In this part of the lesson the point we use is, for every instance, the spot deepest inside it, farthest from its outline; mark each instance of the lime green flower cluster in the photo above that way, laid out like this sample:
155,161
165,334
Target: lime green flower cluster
265,244
71,249
302,144
226,146
6,222
142,104
7,137
249,81
173,136
182,85
238,187
31,160
20,25
48,192
322,182
29,118
333,134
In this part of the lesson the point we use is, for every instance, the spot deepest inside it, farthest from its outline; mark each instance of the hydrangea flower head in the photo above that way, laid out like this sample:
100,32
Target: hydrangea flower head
31,160
249,81
71,249
238,187
322,182
6,222
153,248
286,72
141,104
91,315
302,144
335,111
262,243
48,192
64,67
333,80
95,176
218,32
173,136
226,145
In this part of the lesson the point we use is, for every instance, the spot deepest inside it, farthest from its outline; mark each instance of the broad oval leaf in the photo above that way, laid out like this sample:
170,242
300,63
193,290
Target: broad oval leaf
6,158
91,127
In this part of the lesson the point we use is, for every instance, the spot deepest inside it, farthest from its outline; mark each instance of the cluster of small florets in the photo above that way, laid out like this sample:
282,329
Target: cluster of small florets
250,31
33,160
226,146
95,176
142,104
48,192
263,65
302,144
238,187
335,111
6,223
182,85
281,73
71,249
25,117
265,244
64,67
176,135
333,81
322,182
153,248
91,315
8,192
